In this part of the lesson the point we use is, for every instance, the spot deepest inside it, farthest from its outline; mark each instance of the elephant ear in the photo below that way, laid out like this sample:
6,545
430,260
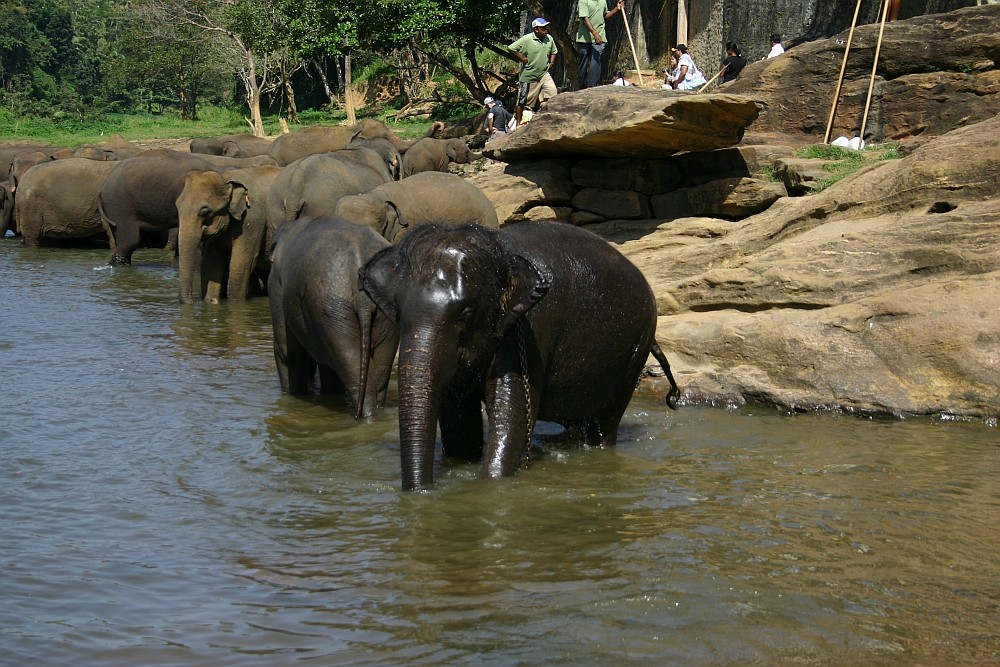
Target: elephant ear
452,149
528,285
395,222
239,200
379,280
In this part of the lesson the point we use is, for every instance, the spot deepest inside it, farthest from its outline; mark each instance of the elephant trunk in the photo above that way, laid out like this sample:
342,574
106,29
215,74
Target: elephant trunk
420,386
188,240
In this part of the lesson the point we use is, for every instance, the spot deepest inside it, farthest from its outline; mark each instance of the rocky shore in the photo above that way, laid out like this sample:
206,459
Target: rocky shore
878,294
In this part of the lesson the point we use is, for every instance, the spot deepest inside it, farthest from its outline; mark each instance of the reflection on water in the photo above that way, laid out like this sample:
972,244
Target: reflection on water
163,504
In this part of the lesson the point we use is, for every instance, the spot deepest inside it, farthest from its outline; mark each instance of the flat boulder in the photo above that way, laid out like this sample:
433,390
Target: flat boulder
614,122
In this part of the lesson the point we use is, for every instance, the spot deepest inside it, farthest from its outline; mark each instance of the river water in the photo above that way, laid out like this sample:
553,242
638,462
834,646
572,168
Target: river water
163,504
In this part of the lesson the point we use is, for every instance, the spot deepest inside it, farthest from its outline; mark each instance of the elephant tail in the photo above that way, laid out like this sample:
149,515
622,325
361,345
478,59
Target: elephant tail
674,392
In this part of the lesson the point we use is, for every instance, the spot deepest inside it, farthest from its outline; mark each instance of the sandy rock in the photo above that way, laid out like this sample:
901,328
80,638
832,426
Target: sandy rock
877,294
611,121
723,198
936,73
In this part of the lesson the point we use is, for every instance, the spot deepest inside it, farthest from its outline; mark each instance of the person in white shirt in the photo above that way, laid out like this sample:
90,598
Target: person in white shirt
776,48
620,79
688,75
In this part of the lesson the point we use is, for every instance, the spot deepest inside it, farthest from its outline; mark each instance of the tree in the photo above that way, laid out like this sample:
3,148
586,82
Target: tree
242,32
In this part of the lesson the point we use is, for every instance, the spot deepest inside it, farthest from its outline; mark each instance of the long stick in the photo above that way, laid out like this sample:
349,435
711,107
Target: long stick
635,57
871,84
840,79
709,82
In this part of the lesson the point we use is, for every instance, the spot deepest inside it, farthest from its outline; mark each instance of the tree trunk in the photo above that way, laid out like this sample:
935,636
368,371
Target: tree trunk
348,98
293,112
321,71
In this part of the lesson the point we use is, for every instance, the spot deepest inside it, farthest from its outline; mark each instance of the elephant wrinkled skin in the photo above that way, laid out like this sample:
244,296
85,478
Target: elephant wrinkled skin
431,154
392,209
139,197
225,215
537,320
320,316
57,202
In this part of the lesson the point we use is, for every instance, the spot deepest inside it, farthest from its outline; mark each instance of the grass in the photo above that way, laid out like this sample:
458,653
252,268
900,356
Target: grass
843,162
212,122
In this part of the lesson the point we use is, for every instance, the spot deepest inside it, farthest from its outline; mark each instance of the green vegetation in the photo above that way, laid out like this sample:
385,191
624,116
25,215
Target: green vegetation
79,67
843,161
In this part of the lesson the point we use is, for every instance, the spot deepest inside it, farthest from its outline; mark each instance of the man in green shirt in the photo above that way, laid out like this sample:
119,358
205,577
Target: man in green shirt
590,39
537,52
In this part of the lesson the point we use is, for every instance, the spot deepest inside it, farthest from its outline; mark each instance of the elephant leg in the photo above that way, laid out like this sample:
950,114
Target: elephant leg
384,342
337,345
329,381
246,246
126,241
301,367
461,419
510,418
214,267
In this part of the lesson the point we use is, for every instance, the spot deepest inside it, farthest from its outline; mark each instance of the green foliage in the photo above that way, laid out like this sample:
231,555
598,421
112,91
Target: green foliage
843,162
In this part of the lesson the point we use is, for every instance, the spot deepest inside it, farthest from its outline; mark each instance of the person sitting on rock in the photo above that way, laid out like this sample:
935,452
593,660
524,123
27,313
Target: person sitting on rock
670,73
497,118
776,48
620,79
733,63
688,75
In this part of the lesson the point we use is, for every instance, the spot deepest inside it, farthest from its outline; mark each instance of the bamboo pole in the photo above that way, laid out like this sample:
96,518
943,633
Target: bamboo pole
840,79
635,57
871,84
709,82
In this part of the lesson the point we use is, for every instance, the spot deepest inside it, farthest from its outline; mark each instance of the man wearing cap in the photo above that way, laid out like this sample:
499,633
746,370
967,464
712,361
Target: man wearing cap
537,52
590,39
497,118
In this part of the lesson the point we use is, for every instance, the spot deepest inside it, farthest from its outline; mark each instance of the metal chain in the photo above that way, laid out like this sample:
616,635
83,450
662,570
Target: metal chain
527,390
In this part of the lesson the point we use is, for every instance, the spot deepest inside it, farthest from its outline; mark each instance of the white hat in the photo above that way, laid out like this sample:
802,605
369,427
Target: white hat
488,101
539,23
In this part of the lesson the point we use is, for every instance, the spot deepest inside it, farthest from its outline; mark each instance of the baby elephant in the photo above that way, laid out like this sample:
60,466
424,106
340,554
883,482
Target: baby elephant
392,209
321,317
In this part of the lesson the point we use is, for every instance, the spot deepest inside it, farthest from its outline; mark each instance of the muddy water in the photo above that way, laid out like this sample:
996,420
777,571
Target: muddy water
162,504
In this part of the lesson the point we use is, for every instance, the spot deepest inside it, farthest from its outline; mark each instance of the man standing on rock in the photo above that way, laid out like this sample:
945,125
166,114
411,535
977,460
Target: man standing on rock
590,39
537,52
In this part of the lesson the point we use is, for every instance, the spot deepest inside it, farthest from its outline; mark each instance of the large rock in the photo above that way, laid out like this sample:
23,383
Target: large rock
611,121
878,294
935,73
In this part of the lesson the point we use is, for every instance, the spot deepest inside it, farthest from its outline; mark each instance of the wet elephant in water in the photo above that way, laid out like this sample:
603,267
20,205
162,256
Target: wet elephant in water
322,319
224,215
314,184
57,202
536,320
139,197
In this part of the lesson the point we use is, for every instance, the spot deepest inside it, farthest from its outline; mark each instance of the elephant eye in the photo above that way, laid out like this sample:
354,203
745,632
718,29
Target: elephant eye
204,211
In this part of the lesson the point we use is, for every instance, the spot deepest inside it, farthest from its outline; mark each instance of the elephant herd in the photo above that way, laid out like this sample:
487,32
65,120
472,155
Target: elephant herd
370,251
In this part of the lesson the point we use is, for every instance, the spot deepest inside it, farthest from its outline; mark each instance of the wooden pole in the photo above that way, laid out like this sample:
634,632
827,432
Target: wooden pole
709,82
871,84
635,57
840,79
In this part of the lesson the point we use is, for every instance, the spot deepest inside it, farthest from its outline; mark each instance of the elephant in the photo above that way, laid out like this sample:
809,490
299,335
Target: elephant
390,154
22,162
57,202
288,148
7,208
231,145
139,197
538,320
393,209
312,185
227,162
321,318
224,214
430,154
